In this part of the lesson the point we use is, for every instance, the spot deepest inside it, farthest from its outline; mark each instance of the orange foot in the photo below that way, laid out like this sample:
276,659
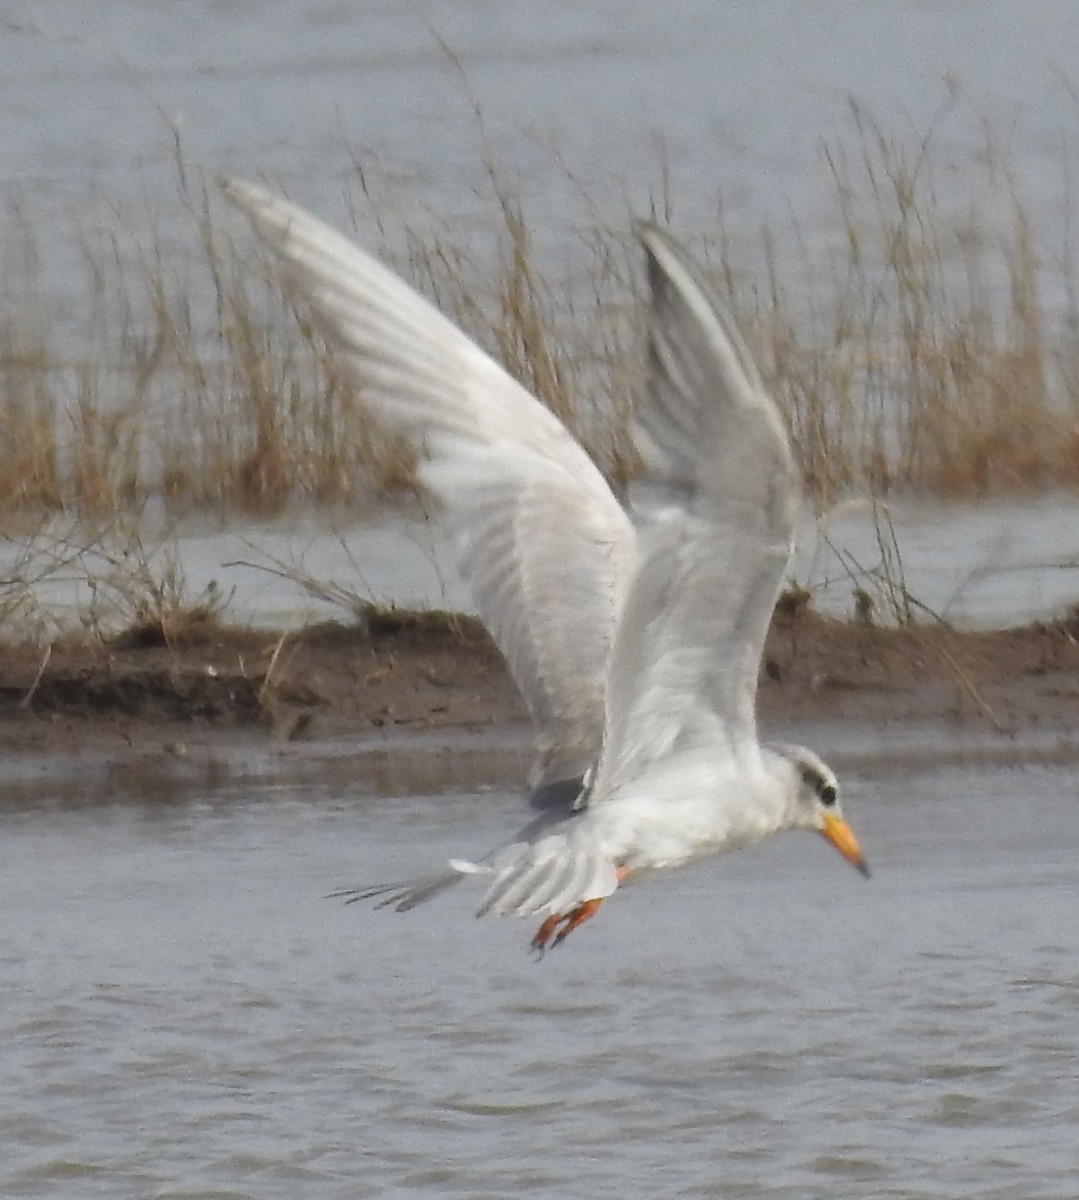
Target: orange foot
558,926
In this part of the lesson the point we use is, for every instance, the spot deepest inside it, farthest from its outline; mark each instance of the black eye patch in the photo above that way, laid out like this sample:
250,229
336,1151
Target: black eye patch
825,791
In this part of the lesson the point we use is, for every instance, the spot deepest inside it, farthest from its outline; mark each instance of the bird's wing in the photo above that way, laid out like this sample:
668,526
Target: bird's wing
542,542
717,504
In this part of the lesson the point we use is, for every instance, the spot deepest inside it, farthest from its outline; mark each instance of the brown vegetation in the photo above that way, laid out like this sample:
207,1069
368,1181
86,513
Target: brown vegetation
911,347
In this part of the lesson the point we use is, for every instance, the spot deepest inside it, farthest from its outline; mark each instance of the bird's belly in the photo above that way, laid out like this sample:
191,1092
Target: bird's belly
650,837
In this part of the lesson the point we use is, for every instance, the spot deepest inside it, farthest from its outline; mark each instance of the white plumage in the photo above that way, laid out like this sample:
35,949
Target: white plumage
636,643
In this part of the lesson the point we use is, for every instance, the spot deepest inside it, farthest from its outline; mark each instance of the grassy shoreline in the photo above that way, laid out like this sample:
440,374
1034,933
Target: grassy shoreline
909,341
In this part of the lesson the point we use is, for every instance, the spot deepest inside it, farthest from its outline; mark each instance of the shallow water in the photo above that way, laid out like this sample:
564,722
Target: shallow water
985,565
182,1014
584,107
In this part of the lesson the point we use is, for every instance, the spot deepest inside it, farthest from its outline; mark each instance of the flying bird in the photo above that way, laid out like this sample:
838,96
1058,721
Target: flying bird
634,631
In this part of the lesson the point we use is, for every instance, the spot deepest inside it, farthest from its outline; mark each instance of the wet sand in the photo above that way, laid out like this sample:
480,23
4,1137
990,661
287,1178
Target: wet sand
212,684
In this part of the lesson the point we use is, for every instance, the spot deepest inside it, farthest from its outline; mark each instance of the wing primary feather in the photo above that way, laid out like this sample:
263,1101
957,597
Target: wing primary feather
503,468
639,651
718,503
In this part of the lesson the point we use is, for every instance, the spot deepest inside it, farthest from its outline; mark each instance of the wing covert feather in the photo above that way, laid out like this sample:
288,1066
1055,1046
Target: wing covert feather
505,470
717,507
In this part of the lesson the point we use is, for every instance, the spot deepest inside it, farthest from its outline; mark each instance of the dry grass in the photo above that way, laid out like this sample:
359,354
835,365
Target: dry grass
917,351
63,575
909,341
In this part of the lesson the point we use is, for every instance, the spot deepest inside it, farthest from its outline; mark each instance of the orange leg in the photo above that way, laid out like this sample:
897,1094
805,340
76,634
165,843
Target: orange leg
546,932
558,926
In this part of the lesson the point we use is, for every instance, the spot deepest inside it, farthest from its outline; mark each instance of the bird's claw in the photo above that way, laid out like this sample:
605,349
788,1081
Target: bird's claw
558,926
544,934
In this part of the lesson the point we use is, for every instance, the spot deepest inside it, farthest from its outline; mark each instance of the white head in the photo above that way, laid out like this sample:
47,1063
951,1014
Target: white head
815,801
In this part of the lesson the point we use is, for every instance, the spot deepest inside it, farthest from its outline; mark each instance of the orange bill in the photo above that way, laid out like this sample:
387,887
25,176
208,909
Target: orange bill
840,834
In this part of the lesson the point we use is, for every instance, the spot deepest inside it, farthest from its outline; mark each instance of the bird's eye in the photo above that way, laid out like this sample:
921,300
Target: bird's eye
827,795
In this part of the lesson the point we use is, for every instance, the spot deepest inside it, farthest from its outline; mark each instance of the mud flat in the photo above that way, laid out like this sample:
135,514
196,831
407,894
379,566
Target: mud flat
147,707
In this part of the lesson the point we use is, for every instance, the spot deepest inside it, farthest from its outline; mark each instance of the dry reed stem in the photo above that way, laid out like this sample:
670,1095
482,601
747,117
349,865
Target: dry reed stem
31,691
912,348
268,678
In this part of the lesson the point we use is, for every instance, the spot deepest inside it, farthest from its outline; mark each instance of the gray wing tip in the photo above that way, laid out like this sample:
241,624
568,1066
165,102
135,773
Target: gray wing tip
669,257
665,255
242,192
652,235
271,214
673,271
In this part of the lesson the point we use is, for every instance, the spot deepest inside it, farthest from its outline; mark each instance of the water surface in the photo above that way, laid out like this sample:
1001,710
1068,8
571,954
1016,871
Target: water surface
986,565
597,99
182,1014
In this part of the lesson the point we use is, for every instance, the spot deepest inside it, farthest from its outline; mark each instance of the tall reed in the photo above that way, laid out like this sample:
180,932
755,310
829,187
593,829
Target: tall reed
908,337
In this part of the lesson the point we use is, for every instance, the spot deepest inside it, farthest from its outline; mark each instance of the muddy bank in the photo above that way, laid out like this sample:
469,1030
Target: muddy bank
206,683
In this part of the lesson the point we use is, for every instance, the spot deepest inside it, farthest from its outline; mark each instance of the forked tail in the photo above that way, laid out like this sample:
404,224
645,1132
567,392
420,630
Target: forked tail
407,894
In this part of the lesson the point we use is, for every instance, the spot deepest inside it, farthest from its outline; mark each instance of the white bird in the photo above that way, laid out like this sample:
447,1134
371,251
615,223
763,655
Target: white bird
635,637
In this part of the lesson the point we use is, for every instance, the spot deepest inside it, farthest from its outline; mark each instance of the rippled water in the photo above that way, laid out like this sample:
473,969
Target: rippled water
183,1014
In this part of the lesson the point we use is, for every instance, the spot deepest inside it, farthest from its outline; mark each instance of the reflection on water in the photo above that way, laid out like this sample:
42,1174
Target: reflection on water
183,1014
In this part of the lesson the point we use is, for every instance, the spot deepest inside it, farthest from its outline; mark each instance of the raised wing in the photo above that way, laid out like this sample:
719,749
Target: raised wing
717,504
540,539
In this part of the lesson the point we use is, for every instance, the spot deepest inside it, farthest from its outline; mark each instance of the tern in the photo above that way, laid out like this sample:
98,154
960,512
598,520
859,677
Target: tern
634,631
